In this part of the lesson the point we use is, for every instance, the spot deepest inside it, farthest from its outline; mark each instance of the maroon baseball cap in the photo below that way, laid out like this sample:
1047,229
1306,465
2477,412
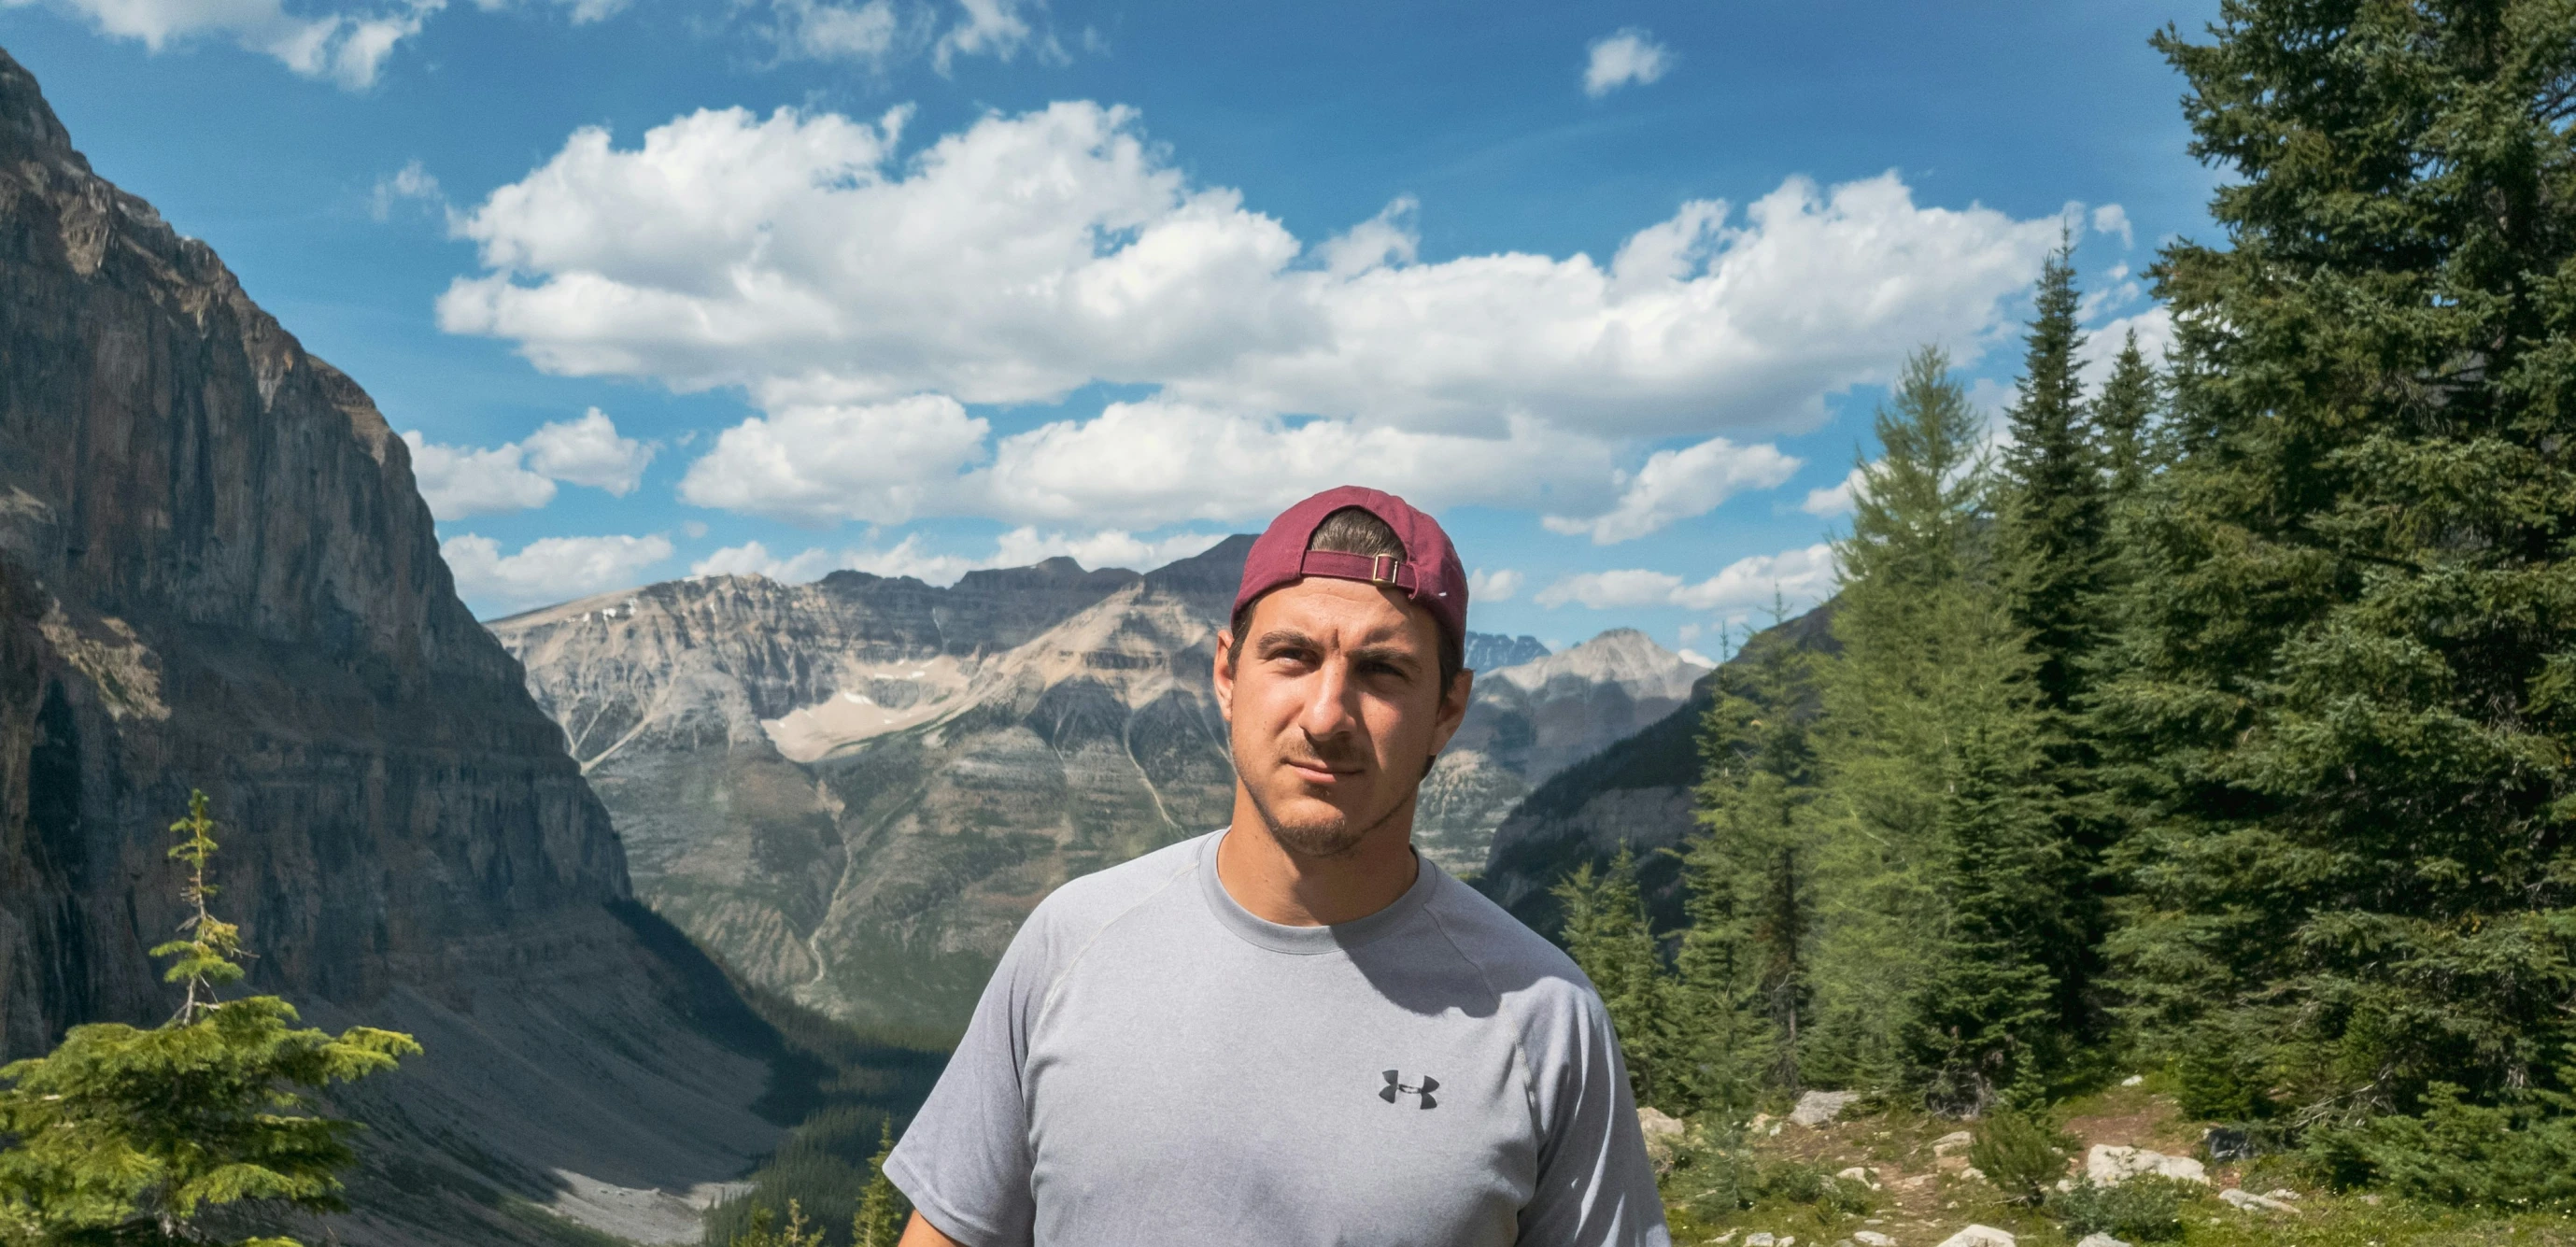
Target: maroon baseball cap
1429,573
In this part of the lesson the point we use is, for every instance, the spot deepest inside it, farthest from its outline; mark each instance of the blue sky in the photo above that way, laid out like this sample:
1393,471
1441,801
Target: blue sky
919,285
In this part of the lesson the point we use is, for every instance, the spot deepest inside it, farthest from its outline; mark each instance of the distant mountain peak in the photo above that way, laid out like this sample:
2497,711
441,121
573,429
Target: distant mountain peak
1622,656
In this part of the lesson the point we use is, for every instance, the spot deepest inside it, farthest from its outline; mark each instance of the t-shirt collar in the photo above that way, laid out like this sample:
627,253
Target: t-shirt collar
1307,941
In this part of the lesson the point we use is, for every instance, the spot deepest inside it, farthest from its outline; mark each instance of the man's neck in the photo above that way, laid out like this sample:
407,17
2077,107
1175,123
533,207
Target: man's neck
1277,885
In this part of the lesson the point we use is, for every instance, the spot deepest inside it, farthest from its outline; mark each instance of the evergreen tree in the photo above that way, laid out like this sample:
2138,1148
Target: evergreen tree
881,1215
1607,935
2124,424
1986,1018
2052,508
1744,974
1930,661
130,1136
2348,663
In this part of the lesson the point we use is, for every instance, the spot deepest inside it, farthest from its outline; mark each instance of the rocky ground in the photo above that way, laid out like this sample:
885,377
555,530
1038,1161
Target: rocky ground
1905,1181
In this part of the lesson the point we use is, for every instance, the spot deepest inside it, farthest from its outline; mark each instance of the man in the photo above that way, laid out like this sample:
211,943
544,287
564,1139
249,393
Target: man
1295,1030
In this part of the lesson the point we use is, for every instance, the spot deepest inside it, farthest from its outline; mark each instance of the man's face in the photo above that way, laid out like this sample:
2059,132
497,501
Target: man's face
1336,709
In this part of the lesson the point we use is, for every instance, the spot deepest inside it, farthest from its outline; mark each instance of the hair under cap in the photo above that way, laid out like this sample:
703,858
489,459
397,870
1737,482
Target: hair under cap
1429,572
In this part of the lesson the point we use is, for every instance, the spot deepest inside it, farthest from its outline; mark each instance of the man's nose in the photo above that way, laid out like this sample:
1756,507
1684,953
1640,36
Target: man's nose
1331,708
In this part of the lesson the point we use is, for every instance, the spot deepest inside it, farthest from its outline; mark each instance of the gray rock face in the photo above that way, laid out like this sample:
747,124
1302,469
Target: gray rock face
1487,652
215,572
855,790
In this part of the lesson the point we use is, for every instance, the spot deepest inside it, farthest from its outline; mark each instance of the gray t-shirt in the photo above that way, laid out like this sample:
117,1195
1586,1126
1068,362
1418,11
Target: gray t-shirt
1151,1064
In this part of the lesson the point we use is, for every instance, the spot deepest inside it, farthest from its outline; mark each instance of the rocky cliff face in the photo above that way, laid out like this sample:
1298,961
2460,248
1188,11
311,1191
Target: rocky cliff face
859,810
215,572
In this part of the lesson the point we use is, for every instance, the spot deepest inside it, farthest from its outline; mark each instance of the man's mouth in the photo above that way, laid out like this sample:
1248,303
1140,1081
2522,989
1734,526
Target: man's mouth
1320,772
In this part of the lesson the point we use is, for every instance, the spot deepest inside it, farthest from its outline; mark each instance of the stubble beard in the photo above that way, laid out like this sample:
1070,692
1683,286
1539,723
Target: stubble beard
1338,836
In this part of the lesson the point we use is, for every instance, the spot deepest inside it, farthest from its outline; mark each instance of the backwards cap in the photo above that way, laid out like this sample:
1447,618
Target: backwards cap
1429,572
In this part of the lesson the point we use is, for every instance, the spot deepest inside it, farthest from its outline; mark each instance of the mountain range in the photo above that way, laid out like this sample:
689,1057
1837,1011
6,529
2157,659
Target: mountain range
853,790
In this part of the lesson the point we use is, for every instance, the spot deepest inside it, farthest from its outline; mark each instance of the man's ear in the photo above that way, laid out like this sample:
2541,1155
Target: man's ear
1224,675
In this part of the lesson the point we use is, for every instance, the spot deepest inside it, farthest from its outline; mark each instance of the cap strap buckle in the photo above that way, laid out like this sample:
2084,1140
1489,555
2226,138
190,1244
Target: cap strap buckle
1382,569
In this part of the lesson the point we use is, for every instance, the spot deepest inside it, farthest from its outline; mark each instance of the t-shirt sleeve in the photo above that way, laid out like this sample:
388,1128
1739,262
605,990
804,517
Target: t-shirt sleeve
964,1162
1596,1188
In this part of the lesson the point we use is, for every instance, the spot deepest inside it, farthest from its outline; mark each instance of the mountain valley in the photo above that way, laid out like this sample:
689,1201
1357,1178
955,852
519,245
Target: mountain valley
853,790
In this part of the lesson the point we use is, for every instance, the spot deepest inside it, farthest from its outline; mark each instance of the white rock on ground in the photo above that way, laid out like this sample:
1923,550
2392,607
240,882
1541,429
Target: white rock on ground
2130,1081
2106,1165
1872,1238
1866,1177
1762,1239
2099,1240
1819,1107
1955,1141
1663,1136
2250,1202
1979,1236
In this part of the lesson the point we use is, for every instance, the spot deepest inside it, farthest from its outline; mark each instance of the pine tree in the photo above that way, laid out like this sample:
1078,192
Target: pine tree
1930,661
2055,534
1743,966
2124,425
765,1231
880,1219
1986,1019
2349,660
130,1136
1607,935
2051,511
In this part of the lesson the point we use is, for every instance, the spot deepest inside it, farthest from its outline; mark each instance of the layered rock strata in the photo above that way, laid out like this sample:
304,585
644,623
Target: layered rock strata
858,808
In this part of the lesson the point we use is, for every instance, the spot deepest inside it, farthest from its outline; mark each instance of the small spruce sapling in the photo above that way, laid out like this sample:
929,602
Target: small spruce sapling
130,1136
882,1210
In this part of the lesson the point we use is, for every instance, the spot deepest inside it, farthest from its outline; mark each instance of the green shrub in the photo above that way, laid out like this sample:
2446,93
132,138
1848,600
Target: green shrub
1713,1178
2214,1082
2022,1154
2144,1209
2460,1154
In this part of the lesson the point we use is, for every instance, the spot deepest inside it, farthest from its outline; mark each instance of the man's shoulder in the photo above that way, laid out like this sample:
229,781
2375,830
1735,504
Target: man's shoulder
1527,972
1079,909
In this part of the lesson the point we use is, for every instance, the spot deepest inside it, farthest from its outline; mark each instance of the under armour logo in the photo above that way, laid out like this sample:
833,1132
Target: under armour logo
1395,1087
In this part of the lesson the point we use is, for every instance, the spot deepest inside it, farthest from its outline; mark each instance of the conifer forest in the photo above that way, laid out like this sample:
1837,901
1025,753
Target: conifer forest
2215,720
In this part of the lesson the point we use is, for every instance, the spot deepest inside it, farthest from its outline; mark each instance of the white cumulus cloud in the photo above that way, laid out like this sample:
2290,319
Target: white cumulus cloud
1019,547
1835,499
1501,585
1631,55
879,462
863,299
1678,485
2102,346
1029,255
461,481
345,48
1795,578
589,452
552,569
